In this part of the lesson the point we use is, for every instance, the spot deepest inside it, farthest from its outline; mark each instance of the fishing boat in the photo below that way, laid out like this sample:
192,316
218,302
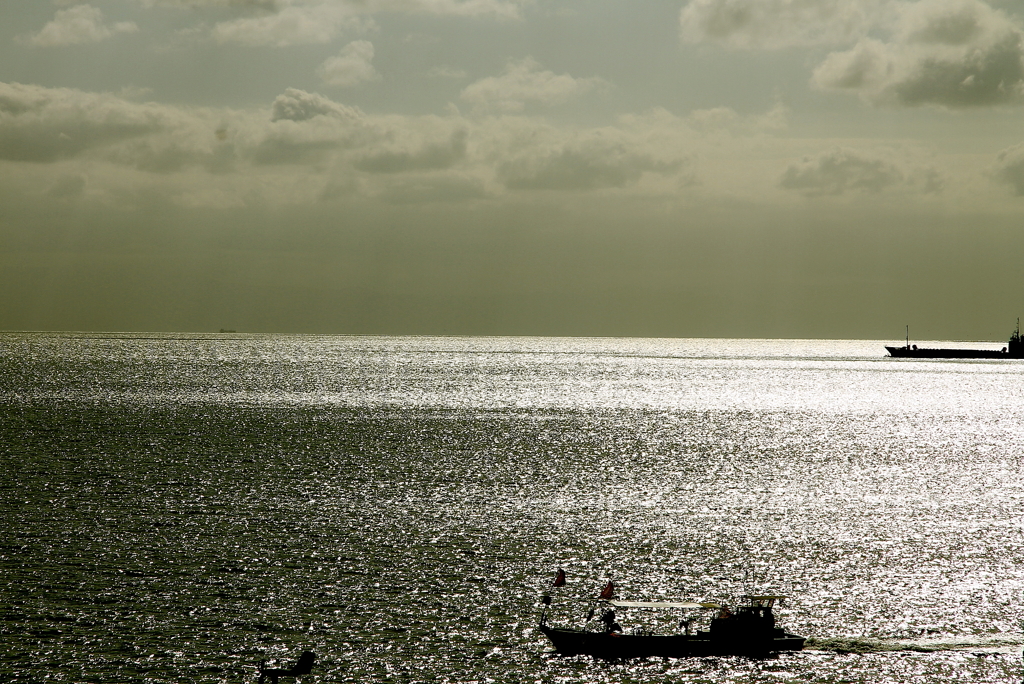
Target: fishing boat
747,630
1014,349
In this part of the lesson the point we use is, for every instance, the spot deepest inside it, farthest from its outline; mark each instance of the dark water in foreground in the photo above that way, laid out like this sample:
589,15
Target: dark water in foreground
176,508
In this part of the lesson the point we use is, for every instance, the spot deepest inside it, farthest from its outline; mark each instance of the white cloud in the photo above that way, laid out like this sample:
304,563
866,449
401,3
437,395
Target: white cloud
952,53
498,8
281,23
292,24
523,82
308,128
777,24
77,25
465,8
432,154
726,119
351,66
298,105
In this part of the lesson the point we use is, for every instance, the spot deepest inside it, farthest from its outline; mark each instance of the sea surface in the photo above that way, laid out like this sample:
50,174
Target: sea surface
175,508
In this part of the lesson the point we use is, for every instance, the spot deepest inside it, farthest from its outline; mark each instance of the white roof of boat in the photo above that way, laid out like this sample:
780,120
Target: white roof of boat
662,604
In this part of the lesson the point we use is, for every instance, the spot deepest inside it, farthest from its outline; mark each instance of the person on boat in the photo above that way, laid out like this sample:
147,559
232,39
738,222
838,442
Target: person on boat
610,625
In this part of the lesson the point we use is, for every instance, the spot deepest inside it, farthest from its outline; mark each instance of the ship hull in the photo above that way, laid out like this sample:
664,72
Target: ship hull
615,646
903,352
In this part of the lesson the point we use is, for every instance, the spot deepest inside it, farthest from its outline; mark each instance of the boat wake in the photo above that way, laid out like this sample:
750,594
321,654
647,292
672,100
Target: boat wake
996,643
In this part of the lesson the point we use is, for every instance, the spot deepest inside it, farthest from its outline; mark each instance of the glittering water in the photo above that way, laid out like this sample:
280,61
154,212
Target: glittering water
176,508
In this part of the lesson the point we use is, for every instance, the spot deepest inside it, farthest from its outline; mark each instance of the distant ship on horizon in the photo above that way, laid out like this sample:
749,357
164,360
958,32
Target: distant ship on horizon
1014,349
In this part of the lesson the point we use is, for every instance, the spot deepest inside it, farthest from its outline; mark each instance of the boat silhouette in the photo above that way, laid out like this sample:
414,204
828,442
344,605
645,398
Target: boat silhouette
748,630
1014,349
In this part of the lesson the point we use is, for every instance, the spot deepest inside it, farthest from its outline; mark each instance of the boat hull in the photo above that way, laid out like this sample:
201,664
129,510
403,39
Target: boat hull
615,646
903,352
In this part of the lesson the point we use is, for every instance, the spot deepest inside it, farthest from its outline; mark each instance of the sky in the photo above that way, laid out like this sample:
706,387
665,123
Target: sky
701,168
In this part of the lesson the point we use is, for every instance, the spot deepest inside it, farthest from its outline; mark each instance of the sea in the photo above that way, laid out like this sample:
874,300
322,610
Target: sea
178,508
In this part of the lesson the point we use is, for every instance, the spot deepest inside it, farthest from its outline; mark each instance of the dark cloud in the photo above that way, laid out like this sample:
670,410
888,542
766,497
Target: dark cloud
951,53
960,24
982,77
288,149
585,167
838,170
1010,168
776,23
47,124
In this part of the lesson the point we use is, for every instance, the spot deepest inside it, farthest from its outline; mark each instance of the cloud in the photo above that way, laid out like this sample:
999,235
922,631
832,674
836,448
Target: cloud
307,128
587,164
838,170
726,119
282,23
305,147
435,155
298,105
351,67
523,82
465,8
291,24
950,22
1010,168
200,4
77,25
951,53
46,124
774,24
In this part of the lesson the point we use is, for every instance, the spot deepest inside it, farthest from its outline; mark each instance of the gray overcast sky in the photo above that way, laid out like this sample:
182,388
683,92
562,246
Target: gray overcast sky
747,168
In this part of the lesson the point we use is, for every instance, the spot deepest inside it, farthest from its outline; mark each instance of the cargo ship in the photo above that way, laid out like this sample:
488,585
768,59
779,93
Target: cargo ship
1014,349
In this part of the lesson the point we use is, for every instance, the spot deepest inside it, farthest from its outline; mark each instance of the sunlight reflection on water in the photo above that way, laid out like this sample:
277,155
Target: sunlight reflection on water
180,508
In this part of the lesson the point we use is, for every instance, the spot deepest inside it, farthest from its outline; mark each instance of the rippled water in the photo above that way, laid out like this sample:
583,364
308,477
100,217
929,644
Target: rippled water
176,508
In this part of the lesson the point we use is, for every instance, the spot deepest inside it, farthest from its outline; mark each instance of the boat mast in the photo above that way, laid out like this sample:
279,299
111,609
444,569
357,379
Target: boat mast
908,336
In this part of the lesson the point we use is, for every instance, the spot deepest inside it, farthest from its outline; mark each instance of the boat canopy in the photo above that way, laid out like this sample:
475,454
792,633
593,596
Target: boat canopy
762,601
662,604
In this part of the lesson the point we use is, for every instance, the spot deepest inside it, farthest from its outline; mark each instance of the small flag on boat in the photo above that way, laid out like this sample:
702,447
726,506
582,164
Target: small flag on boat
608,591
559,579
